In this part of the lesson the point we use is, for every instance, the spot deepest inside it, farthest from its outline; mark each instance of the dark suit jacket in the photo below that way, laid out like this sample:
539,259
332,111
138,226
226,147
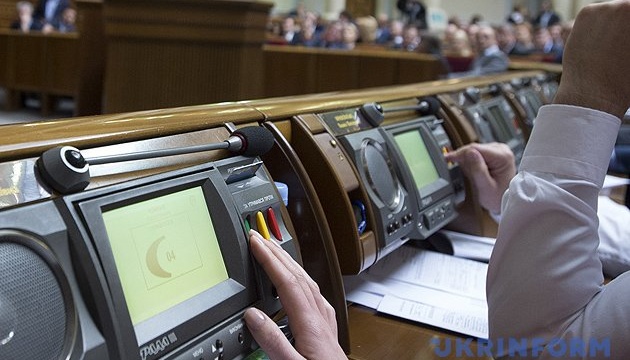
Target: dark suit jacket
40,12
553,19
496,62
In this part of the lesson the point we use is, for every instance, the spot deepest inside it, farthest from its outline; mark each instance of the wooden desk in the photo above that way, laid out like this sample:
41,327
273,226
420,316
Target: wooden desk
377,336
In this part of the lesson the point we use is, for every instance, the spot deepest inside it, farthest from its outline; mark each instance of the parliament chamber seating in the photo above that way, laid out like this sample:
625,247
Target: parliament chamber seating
313,137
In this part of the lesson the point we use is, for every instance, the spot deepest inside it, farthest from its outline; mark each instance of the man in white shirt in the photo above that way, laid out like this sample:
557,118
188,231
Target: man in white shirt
491,166
545,282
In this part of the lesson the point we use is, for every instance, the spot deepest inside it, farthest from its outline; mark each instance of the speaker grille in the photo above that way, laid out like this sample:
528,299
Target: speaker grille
33,315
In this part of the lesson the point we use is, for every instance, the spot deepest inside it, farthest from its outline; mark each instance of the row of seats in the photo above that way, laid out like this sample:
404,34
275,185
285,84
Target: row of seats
365,174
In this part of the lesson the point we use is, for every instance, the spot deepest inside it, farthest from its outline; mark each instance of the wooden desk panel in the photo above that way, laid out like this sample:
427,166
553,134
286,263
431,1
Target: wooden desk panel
376,337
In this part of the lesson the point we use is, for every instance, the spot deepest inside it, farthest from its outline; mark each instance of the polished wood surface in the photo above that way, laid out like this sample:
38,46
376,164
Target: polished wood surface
296,70
178,53
32,139
375,336
519,63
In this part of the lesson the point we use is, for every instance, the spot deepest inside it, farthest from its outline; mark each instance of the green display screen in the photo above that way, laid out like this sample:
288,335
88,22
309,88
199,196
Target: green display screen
417,157
166,251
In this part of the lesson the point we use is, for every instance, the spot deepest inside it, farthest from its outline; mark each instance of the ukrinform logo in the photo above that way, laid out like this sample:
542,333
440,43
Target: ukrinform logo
533,347
157,346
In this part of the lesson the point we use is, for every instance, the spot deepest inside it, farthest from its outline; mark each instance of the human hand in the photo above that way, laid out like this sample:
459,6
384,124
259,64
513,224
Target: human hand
311,317
490,167
594,71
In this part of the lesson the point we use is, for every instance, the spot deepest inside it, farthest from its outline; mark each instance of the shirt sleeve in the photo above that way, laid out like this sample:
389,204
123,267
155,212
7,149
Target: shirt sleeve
545,278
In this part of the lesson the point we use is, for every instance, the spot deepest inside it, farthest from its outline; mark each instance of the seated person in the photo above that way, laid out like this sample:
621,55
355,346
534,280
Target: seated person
49,13
490,60
25,21
490,167
545,282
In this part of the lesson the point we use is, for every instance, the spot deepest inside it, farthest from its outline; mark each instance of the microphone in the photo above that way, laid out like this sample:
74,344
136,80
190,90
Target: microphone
373,113
426,106
66,171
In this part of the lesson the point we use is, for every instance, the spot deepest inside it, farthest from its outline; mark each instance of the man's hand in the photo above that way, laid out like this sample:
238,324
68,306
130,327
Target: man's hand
595,60
490,167
311,317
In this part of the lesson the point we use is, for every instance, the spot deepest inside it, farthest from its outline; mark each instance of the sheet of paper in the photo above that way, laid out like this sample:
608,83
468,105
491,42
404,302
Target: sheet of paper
611,181
470,246
425,286
431,269
469,323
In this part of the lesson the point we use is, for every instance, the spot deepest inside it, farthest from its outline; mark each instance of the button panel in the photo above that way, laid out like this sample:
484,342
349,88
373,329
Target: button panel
438,214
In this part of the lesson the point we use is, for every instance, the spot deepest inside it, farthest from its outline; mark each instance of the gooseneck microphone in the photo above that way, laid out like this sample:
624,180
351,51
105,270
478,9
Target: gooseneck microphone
425,106
66,171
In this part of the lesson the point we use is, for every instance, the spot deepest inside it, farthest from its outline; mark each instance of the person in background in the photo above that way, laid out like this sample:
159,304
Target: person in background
291,31
545,280
490,59
524,37
544,44
518,15
311,32
396,34
411,38
506,39
68,21
333,36
414,11
383,33
25,21
456,44
49,13
349,35
547,16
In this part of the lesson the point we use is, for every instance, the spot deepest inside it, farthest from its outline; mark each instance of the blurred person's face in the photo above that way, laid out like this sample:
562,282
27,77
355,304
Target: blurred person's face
333,32
523,35
25,11
410,36
69,16
504,37
541,38
555,31
350,33
288,25
485,38
397,28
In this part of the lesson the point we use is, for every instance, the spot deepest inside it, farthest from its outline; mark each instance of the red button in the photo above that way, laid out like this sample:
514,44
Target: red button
273,224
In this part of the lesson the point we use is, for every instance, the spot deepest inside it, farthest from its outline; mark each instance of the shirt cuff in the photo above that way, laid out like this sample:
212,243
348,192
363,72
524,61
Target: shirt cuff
571,141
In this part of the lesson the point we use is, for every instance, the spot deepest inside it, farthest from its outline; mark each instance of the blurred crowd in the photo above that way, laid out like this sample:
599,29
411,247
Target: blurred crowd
45,16
539,37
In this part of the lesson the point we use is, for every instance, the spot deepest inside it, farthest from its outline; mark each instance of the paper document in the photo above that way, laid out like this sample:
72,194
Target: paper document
425,286
470,246
611,181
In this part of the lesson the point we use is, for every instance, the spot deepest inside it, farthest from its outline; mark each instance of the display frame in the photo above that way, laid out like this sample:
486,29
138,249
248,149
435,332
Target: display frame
439,188
200,313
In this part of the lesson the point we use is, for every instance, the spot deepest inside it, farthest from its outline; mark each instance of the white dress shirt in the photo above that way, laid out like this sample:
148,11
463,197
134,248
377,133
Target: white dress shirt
545,278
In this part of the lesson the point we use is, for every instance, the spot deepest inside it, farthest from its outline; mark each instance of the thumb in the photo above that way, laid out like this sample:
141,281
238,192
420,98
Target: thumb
268,335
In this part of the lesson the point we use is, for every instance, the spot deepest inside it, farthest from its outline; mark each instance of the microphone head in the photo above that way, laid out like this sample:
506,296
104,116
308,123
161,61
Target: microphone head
429,106
64,169
373,113
256,140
